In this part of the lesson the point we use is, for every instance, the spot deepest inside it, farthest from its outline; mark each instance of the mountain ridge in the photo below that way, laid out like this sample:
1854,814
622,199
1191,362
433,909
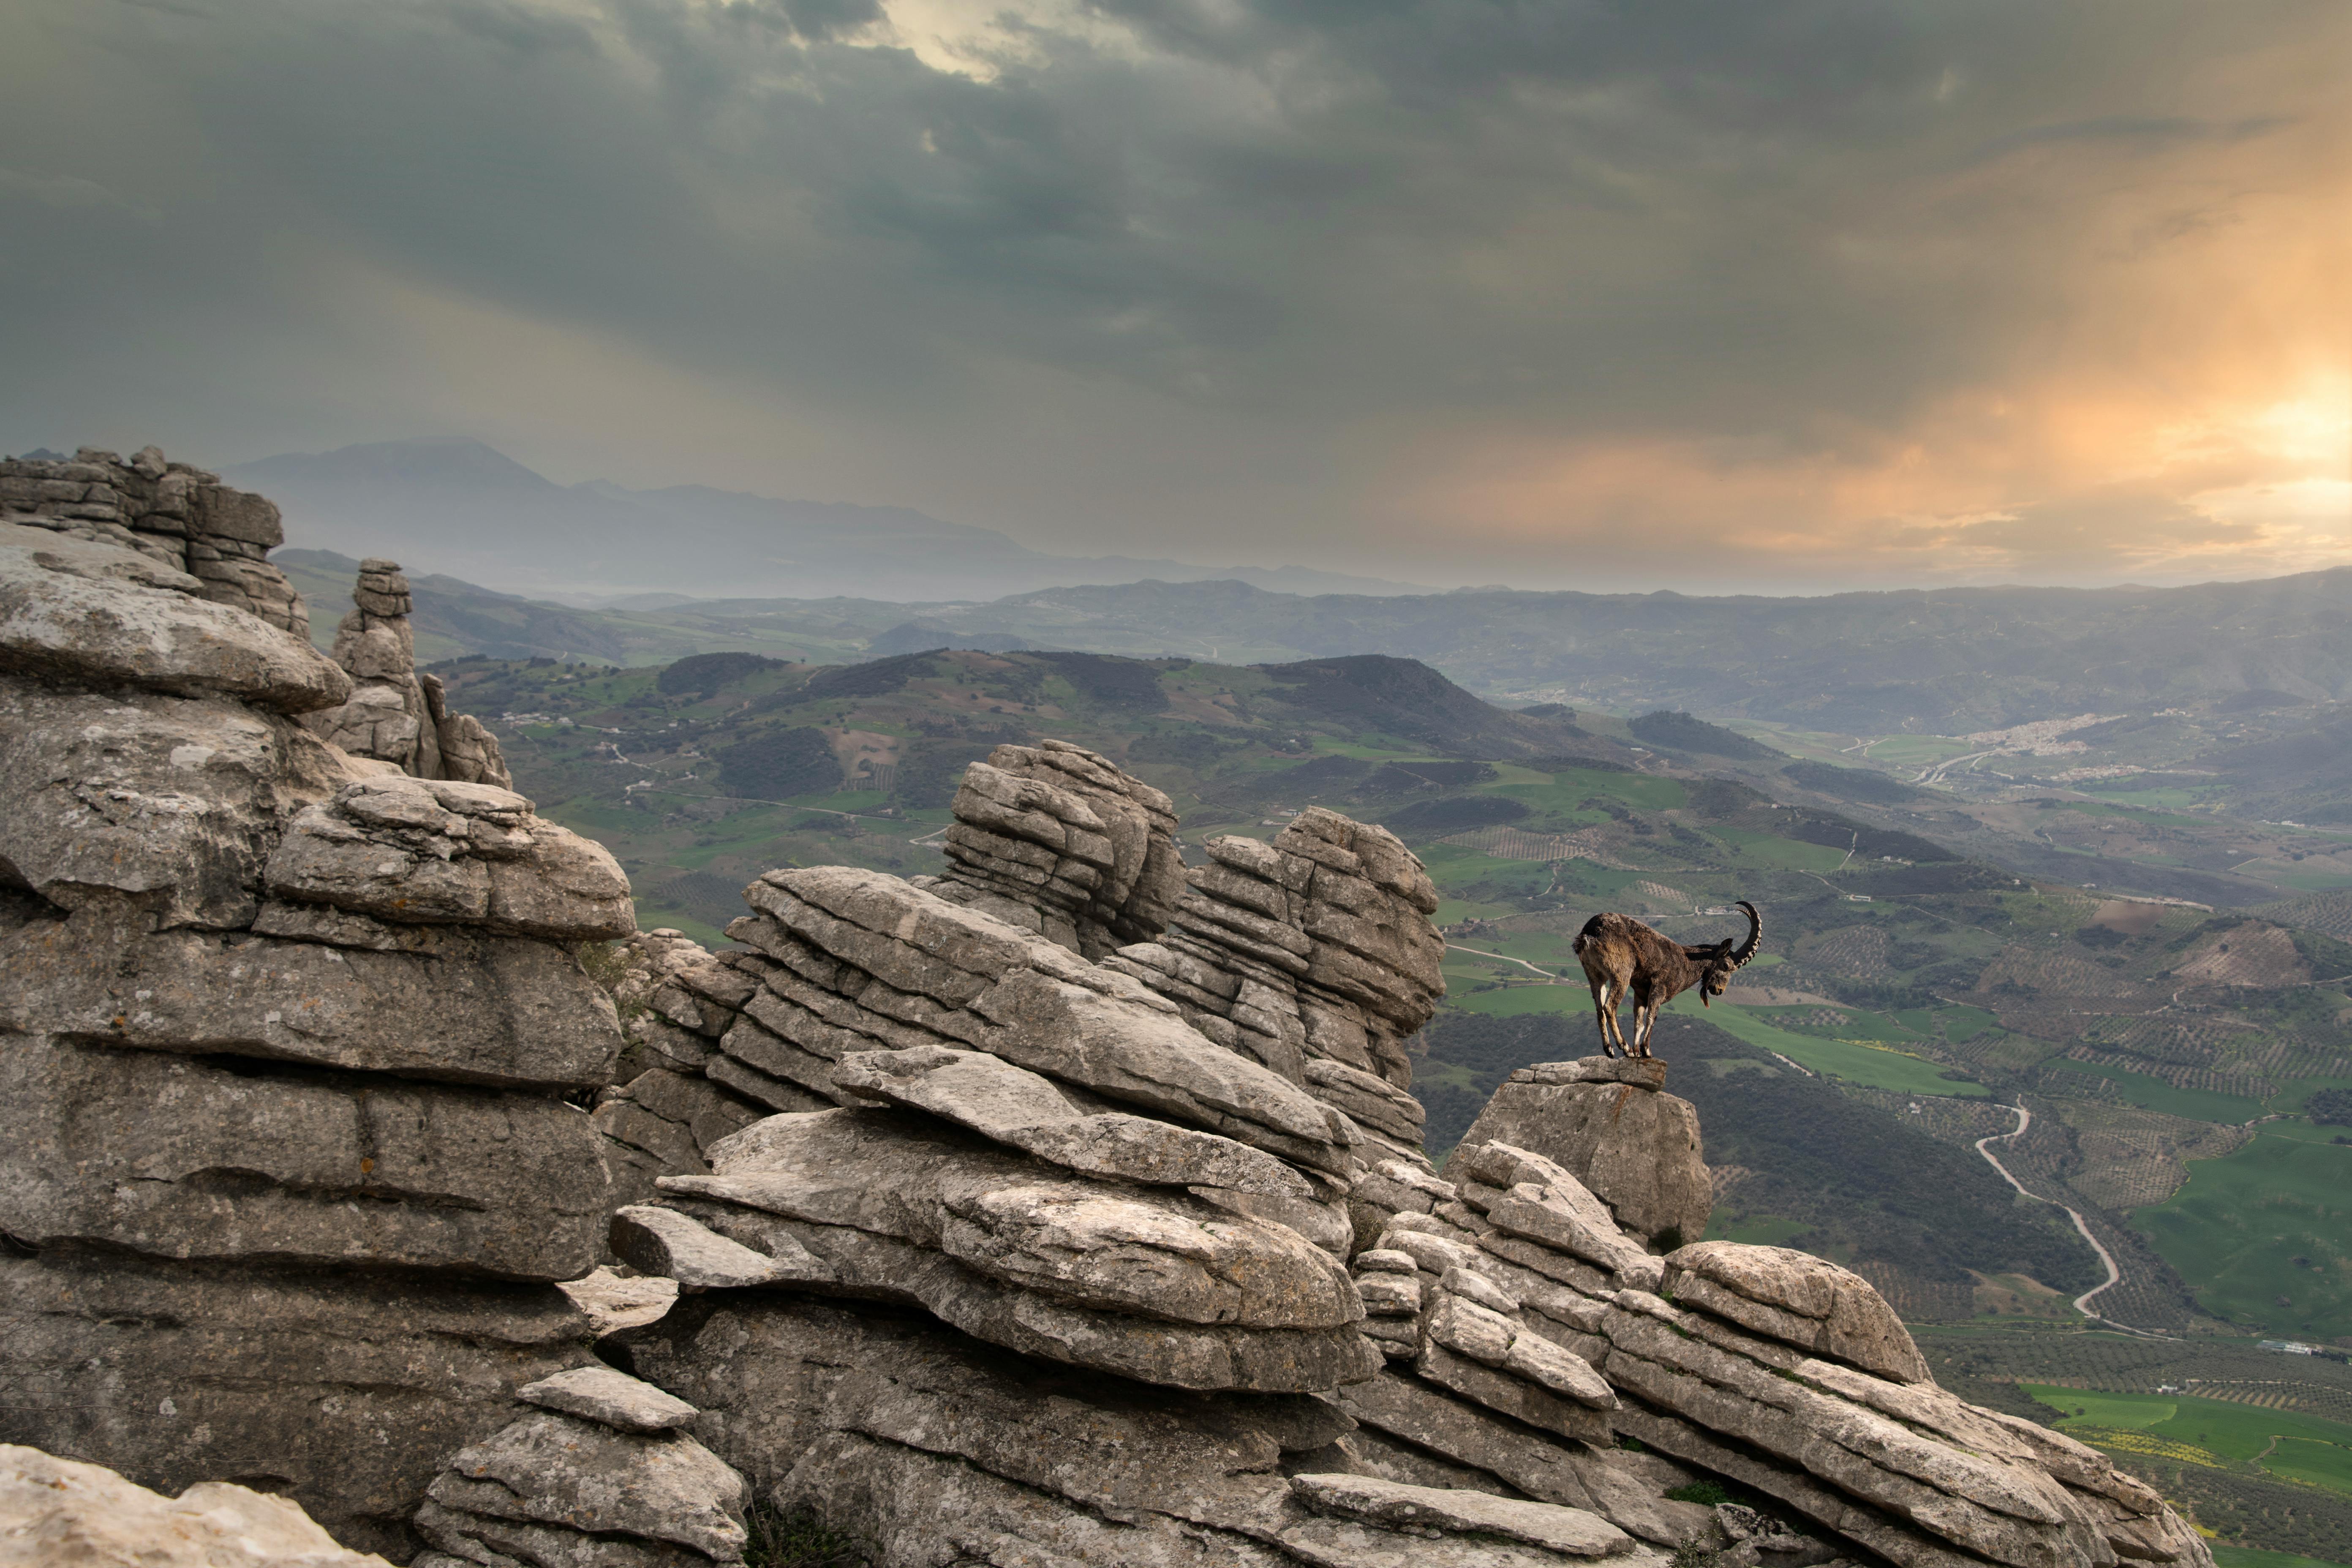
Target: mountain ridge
455,505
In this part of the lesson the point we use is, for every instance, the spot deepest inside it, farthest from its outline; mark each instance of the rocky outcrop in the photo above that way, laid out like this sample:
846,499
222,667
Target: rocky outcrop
288,1169
1313,955
176,516
393,714
1055,839
1609,1119
1069,1219
57,1512
603,1473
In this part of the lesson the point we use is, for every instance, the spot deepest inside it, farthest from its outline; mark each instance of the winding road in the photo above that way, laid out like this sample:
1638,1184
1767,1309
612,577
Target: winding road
2115,1275
1507,958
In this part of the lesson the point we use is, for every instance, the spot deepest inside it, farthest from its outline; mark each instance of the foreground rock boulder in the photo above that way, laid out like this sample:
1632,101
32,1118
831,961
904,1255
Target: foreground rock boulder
55,1511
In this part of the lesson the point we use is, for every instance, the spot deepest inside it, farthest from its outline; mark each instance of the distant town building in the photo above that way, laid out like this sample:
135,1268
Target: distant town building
2289,1347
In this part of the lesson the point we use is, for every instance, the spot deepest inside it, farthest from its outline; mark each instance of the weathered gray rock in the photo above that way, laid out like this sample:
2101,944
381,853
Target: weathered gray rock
558,1469
951,976
909,1505
1524,1194
1057,840
673,1118
613,1399
1353,1543
1981,1500
1799,1298
613,1301
1148,1349
504,1011
1571,1474
171,800
59,1511
1153,1253
393,714
499,1538
675,1246
179,1158
1633,1148
1014,1106
880,1414
66,625
1315,948
1571,1531
440,851
342,1391
1642,1073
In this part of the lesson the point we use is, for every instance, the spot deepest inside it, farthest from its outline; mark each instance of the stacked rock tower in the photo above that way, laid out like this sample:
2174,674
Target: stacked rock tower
1066,1210
287,1169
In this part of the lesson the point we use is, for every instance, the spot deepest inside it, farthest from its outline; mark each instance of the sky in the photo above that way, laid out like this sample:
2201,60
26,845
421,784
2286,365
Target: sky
1775,296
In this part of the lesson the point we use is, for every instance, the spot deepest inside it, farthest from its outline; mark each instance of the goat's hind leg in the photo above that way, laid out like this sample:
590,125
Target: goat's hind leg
1604,1010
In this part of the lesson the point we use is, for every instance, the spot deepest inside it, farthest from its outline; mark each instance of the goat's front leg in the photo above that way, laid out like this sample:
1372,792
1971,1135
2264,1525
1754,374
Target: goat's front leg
1605,1012
1644,1010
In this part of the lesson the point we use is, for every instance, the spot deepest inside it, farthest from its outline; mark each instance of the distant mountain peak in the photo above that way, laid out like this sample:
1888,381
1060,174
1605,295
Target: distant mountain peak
452,461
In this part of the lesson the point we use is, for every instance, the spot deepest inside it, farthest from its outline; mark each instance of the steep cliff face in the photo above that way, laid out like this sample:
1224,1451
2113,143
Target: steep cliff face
1065,1210
289,1175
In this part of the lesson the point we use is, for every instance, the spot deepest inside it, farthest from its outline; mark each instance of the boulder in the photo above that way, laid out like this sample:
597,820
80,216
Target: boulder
56,1510
443,852
582,1476
1797,1298
1634,1148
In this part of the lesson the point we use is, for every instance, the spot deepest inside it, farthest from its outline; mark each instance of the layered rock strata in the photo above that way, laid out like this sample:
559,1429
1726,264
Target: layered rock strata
926,1446
1606,1118
1057,840
180,517
394,715
602,1474
1313,955
285,1046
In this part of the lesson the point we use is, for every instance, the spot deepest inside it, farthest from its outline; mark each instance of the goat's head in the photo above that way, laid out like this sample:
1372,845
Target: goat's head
1719,963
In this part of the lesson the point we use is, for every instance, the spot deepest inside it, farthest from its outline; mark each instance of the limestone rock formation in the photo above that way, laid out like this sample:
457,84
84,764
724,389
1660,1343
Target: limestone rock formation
55,1511
1313,955
284,1048
1057,840
176,516
1066,1211
1608,1119
394,715
601,1476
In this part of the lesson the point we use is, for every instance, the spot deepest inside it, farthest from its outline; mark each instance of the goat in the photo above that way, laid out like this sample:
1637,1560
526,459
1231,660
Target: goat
1621,954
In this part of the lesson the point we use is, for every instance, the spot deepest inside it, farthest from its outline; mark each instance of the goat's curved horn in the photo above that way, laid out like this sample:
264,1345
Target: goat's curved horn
1746,950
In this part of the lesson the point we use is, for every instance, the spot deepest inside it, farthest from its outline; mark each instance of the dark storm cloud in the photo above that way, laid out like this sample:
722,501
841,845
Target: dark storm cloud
1668,220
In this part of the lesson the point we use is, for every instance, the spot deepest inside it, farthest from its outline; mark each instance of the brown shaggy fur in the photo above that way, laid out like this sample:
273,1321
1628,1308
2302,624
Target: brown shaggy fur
1621,954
